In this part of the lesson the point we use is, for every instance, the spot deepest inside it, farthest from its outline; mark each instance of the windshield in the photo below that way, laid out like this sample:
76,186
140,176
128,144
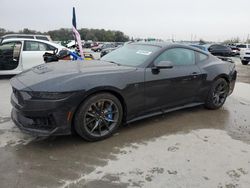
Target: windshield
131,55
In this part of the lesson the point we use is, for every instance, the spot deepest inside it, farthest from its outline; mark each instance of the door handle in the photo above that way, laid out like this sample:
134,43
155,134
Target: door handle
194,74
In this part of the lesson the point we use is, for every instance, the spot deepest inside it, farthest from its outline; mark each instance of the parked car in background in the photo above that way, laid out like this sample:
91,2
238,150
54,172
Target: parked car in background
235,50
219,50
97,48
108,45
105,46
244,53
136,81
87,44
106,51
71,44
205,49
119,43
94,44
19,54
26,36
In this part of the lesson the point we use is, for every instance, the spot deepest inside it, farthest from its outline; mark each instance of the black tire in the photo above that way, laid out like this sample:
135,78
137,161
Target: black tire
244,62
217,94
98,117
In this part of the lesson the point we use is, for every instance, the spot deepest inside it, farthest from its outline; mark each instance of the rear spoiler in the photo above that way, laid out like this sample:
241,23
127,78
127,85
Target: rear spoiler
226,59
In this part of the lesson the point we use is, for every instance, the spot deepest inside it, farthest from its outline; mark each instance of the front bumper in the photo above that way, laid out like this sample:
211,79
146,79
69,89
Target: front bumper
245,57
44,117
29,126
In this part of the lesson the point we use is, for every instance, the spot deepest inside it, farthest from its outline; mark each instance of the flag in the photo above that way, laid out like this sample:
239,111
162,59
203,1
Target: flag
76,34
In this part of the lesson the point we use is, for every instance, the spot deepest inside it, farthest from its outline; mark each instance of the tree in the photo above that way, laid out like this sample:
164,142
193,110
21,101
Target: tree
62,34
28,31
120,37
232,41
2,31
201,42
65,34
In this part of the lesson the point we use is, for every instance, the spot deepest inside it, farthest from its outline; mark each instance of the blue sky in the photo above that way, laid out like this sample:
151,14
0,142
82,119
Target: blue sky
215,20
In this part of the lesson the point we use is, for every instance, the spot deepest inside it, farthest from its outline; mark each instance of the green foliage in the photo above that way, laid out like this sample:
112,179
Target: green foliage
61,34
65,34
232,41
202,42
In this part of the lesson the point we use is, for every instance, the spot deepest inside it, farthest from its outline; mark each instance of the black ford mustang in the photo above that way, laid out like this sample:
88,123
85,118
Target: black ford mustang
136,81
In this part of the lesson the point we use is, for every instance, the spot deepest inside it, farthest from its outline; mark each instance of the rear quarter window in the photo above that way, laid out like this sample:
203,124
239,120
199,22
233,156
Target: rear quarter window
201,57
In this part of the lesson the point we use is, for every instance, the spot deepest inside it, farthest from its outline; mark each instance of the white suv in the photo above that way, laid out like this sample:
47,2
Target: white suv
244,53
17,54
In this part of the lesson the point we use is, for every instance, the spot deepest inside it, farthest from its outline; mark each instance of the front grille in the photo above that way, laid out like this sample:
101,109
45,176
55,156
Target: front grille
247,53
41,123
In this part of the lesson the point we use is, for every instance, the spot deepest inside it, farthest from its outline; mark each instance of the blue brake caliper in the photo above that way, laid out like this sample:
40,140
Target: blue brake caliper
110,115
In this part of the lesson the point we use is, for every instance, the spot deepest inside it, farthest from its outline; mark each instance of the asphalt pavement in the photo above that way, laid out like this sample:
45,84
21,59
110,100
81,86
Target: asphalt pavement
192,148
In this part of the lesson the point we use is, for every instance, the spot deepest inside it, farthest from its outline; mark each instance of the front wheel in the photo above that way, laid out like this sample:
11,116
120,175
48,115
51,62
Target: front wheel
217,94
98,117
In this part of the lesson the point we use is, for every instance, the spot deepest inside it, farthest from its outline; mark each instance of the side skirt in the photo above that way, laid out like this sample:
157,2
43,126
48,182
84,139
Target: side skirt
165,111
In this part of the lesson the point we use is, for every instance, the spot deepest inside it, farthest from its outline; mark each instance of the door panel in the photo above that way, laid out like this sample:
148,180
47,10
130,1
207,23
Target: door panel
33,53
32,58
171,87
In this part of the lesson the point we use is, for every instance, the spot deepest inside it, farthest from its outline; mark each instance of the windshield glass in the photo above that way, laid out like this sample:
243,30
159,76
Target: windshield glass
131,55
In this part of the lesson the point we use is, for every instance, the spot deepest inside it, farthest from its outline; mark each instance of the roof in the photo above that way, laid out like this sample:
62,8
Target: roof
159,44
17,34
23,39
168,44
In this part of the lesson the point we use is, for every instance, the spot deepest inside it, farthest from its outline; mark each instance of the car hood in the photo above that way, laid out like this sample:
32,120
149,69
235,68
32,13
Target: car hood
65,76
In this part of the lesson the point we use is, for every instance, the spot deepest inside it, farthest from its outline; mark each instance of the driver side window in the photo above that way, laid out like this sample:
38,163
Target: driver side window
178,56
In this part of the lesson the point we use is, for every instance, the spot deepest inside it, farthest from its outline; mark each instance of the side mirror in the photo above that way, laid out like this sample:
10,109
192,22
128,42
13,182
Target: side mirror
163,65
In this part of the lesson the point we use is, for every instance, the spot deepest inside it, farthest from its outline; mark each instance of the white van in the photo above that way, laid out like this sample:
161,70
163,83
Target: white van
17,55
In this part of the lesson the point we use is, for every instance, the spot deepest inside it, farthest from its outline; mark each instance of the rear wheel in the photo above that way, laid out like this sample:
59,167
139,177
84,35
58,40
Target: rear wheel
244,62
217,94
98,117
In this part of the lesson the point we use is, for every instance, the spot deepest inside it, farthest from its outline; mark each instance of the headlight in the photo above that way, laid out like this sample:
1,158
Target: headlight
49,95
